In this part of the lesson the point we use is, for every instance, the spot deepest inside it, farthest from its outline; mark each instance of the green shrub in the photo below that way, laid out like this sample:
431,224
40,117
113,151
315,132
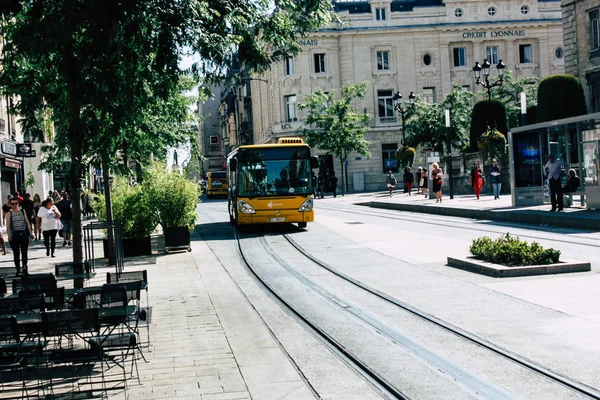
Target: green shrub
405,156
484,114
560,96
512,251
131,207
173,197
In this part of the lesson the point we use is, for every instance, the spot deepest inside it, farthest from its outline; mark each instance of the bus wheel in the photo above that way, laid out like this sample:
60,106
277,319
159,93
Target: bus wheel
301,224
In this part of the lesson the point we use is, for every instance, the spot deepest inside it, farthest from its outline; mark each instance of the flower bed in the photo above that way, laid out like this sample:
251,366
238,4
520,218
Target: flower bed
511,251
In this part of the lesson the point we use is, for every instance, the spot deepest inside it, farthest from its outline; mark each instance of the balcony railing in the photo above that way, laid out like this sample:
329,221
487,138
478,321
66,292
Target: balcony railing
388,120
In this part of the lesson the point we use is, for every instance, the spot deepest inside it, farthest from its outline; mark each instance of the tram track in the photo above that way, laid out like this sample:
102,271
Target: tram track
430,220
567,382
385,387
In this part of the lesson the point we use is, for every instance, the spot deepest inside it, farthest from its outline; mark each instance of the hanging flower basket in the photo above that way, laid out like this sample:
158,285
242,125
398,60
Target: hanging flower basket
491,144
405,156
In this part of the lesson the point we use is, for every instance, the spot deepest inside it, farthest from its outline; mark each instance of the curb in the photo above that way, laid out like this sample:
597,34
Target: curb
501,271
524,217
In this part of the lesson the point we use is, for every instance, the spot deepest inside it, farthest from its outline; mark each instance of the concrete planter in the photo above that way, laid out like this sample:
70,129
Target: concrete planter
500,271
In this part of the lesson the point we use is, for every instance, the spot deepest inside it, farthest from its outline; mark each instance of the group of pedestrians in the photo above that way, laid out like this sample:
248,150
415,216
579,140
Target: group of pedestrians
319,185
422,181
27,219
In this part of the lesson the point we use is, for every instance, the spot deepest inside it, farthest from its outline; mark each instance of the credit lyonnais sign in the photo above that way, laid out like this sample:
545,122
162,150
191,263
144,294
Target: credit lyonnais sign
493,34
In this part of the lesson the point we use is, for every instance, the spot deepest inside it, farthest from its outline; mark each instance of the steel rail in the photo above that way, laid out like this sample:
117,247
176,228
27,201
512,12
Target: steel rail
336,347
571,384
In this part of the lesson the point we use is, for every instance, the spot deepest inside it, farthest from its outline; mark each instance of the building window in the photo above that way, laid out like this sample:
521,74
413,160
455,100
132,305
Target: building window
383,60
380,14
291,108
524,9
460,56
214,139
388,157
558,53
427,59
491,53
525,54
458,13
595,26
319,63
385,105
466,87
492,11
428,95
289,66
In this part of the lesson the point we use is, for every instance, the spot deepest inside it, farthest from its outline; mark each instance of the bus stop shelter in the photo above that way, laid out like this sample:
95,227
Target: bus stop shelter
574,141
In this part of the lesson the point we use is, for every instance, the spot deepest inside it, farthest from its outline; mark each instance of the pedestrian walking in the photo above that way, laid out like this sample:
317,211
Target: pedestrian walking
572,185
333,181
419,179
27,206
66,216
424,183
477,179
55,197
18,231
409,180
495,179
390,182
6,207
554,169
19,197
37,203
49,219
436,181
320,183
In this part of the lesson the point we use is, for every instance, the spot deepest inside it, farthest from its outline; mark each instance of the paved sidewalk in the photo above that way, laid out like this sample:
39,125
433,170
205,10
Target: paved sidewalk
468,206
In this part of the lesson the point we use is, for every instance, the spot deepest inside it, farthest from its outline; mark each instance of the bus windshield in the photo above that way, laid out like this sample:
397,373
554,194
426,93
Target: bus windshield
259,178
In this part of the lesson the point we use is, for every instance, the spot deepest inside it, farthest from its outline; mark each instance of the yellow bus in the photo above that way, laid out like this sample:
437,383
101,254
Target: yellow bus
271,183
216,184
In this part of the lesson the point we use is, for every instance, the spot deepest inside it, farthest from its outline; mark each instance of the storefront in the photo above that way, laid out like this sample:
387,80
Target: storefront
10,169
574,141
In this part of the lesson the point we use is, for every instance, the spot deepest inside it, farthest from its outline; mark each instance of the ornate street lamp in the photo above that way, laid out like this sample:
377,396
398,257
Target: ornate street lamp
485,68
402,110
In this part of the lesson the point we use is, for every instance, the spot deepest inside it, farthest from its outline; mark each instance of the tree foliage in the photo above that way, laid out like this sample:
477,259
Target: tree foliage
509,94
334,124
491,144
560,96
426,124
107,71
486,116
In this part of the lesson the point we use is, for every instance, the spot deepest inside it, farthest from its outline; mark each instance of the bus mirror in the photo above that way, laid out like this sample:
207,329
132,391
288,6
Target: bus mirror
314,162
232,164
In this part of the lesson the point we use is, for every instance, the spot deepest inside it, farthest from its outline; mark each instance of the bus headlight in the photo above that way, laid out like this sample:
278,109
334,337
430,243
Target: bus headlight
307,205
245,208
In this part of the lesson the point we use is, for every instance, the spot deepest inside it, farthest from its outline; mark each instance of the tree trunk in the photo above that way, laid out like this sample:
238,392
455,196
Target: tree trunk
109,213
342,173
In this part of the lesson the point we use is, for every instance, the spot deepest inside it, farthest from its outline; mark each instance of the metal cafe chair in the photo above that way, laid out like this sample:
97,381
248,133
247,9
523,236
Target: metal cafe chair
2,287
33,282
11,363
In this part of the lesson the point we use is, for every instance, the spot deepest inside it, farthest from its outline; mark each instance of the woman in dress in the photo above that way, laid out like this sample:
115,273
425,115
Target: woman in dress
37,203
18,231
49,219
436,182
477,179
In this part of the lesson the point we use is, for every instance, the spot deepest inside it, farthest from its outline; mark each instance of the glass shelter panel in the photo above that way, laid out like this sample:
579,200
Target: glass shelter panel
528,160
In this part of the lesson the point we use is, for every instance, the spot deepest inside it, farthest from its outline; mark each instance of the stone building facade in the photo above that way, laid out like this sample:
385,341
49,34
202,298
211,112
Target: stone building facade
420,46
581,26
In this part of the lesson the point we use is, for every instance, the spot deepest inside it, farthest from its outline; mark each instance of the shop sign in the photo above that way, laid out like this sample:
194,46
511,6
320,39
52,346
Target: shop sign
25,150
308,42
16,164
493,34
9,148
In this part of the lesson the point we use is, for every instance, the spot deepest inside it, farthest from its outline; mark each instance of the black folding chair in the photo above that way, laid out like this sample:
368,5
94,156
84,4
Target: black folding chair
133,276
2,287
12,380
33,282
54,297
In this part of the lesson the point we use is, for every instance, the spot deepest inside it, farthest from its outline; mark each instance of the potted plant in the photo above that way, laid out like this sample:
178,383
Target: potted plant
174,198
132,207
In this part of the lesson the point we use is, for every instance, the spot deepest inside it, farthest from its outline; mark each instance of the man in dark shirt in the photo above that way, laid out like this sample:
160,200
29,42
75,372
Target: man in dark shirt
66,215
27,206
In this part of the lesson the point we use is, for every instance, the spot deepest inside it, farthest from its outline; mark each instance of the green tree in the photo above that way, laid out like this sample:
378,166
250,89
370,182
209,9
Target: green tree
560,96
334,124
486,115
426,125
68,56
509,94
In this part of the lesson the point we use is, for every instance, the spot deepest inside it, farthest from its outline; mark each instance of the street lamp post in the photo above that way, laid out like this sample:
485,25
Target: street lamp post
402,110
485,68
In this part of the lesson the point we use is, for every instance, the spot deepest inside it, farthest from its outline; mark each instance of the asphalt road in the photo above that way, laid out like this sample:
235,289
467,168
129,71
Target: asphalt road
551,320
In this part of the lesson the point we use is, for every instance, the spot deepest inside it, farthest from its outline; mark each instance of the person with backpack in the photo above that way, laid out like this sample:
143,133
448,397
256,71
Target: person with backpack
390,181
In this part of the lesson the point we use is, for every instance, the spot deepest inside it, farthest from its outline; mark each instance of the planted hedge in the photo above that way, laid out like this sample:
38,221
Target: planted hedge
484,114
512,252
560,96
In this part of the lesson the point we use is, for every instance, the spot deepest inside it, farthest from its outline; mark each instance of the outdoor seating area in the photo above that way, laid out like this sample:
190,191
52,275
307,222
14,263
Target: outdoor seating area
59,340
